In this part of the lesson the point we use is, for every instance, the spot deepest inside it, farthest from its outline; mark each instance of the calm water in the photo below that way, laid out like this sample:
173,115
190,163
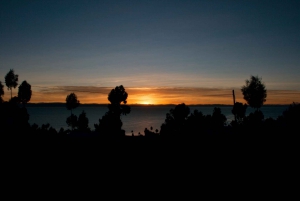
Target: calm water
139,118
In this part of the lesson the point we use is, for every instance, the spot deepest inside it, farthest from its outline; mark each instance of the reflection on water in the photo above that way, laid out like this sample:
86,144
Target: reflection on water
139,118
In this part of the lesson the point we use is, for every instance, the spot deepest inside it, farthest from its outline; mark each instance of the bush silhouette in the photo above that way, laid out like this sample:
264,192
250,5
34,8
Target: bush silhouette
254,120
292,113
254,92
83,123
239,111
24,93
218,119
72,121
13,119
175,122
197,122
44,130
11,80
290,118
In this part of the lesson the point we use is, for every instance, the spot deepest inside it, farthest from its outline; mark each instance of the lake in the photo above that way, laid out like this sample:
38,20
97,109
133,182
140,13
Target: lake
139,118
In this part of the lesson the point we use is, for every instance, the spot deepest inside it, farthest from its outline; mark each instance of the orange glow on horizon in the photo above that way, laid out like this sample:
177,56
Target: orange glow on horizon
154,96
143,99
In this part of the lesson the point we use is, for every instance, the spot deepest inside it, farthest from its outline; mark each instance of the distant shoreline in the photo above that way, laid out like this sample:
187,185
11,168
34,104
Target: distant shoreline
146,105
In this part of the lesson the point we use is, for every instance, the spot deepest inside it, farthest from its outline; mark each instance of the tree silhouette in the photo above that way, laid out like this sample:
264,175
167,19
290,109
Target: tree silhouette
83,122
218,119
254,92
72,103
239,111
111,121
290,118
24,93
254,121
175,122
197,122
116,97
11,80
1,91
72,121
180,112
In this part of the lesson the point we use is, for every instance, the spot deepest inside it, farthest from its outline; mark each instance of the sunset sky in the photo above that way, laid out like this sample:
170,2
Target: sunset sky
162,52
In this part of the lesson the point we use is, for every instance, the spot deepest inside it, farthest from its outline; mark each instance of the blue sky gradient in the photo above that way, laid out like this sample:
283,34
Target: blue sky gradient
201,44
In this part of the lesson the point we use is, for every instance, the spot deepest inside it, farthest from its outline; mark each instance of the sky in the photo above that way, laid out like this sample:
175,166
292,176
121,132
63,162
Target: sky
162,52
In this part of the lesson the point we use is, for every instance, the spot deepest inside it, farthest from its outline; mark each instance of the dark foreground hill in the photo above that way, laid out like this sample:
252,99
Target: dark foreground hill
96,145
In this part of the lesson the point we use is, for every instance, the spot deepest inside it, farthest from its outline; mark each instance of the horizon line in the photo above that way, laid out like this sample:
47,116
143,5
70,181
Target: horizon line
139,104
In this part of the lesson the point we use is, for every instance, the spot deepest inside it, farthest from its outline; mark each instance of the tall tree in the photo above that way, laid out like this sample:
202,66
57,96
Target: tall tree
11,80
111,122
1,91
116,97
72,103
25,92
254,92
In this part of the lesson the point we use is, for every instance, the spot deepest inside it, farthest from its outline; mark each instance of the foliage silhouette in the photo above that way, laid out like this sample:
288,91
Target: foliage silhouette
218,119
71,103
111,122
197,122
83,123
180,112
11,80
254,120
239,111
13,119
72,121
116,97
15,100
179,121
44,130
25,92
175,122
290,118
254,92
292,113
1,92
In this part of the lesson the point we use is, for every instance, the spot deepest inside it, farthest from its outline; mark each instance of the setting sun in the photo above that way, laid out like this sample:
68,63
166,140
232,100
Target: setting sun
139,96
